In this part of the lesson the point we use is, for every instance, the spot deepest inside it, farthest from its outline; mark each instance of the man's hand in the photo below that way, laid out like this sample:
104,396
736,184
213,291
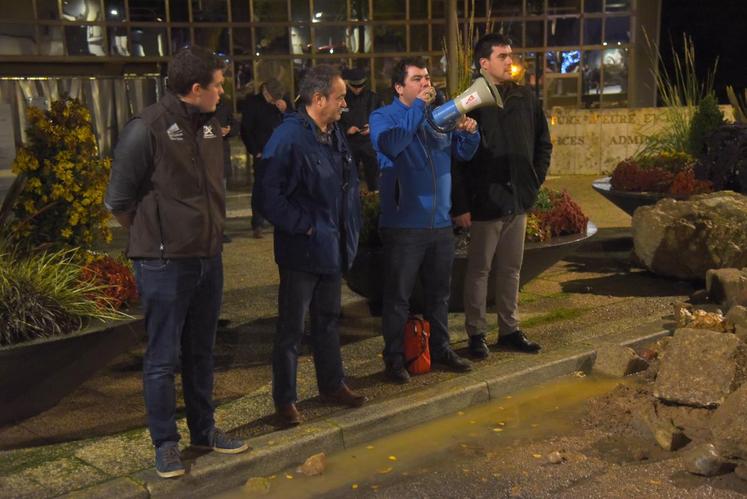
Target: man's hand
310,231
281,105
427,95
225,130
464,220
467,124
353,130
124,218
365,130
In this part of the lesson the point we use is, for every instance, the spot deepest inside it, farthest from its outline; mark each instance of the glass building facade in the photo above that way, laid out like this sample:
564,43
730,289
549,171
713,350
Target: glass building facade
112,53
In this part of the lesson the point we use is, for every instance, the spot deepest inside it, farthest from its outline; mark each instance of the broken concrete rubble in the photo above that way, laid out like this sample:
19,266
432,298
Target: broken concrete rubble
618,361
700,368
727,286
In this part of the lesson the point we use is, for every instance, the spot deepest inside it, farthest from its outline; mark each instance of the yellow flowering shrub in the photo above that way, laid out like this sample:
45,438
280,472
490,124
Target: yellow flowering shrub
62,203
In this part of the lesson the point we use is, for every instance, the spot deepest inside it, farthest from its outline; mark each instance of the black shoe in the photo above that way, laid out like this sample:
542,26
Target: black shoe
227,238
478,348
450,360
395,371
519,342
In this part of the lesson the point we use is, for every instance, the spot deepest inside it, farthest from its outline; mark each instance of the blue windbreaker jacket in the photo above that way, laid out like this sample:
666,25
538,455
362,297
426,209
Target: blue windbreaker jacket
415,164
307,184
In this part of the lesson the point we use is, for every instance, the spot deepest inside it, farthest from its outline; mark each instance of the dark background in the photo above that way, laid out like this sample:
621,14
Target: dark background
719,31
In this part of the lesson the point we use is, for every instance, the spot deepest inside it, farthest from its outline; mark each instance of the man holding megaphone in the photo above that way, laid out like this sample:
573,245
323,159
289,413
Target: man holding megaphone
415,225
492,194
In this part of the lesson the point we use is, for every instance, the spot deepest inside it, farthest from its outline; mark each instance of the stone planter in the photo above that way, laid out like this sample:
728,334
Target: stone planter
35,375
366,275
628,201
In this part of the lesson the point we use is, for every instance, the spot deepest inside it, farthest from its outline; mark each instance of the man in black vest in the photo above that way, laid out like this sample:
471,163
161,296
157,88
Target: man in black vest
361,103
166,188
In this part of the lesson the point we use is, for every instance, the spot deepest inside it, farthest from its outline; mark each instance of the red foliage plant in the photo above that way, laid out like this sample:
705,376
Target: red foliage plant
666,173
685,184
115,278
629,176
564,217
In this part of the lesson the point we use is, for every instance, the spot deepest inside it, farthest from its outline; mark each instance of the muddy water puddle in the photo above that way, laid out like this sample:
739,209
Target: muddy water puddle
552,408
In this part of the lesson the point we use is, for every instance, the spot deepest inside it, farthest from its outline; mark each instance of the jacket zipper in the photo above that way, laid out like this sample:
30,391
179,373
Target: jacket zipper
509,96
433,175
203,174
161,246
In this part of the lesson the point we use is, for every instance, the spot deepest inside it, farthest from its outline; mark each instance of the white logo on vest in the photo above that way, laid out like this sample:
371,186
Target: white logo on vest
207,132
175,133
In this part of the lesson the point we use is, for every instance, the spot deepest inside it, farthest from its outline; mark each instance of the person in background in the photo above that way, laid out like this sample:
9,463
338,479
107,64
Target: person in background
361,103
166,188
310,194
492,194
415,225
260,115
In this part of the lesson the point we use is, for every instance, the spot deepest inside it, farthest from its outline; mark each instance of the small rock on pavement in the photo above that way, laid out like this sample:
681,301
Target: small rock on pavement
314,465
720,359
705,460
257,485
727,286
618,361
741,471
729,425
737,316
668,436
555,457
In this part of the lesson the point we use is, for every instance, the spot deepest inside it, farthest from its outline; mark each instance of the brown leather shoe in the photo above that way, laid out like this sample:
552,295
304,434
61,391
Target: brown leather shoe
343,396
287,415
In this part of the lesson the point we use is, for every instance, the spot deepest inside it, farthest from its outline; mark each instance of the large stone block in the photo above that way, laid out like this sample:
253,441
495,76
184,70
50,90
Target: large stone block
700,368
685,239
729,425
727,286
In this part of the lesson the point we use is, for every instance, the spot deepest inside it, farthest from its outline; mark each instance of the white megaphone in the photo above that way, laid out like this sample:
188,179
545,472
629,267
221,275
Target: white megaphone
480,94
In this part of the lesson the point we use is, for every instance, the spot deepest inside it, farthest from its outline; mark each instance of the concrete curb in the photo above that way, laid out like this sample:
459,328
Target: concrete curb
214,473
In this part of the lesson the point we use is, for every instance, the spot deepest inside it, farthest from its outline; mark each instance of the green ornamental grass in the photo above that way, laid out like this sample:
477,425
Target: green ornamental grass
43,296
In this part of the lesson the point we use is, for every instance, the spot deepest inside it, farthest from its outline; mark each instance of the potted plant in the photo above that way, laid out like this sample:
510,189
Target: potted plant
665,167
61,304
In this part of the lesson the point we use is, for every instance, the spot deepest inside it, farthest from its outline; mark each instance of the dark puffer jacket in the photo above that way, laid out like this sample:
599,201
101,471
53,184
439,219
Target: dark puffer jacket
309,183
505,175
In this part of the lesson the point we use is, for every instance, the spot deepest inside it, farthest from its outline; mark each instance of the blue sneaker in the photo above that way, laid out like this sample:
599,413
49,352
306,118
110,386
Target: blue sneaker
220,442
169,461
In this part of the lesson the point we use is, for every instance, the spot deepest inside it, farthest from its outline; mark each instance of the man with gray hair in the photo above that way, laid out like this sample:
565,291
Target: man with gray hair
310,194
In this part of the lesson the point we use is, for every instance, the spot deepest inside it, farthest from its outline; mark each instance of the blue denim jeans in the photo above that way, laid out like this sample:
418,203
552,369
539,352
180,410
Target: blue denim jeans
320,294
408,253
181,299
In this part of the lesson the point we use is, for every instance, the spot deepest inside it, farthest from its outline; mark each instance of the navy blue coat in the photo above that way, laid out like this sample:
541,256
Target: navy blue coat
309,184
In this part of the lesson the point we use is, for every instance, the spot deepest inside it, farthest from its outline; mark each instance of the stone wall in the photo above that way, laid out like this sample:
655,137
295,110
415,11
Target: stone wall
594,141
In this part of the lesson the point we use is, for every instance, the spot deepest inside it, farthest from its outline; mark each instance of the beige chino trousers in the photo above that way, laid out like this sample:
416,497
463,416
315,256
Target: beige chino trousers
496,244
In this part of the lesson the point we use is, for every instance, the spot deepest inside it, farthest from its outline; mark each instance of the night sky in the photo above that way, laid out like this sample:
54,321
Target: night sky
718,29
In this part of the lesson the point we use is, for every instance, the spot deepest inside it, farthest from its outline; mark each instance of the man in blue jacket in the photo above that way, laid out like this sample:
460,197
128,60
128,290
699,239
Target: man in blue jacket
310,194
415,189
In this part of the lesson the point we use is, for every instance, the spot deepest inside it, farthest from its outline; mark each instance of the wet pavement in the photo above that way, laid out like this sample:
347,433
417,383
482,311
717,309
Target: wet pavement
535,443
98,430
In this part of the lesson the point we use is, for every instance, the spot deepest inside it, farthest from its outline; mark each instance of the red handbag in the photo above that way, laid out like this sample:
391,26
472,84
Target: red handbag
417,352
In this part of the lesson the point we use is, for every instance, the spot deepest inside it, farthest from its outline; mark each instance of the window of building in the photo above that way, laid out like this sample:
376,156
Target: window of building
209,11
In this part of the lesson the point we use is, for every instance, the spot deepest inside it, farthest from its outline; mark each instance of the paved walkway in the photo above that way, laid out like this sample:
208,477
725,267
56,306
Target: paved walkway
94,440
